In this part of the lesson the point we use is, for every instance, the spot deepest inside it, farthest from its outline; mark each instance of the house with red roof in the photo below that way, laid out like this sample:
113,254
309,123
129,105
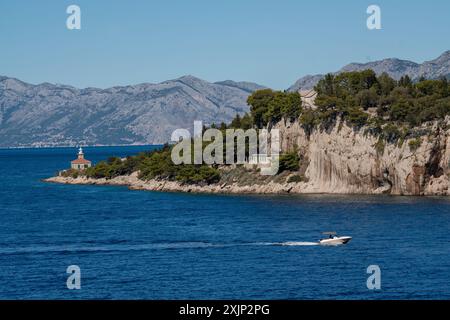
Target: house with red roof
80,163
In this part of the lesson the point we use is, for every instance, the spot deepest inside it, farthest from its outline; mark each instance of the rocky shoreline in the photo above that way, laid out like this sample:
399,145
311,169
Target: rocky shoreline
134,183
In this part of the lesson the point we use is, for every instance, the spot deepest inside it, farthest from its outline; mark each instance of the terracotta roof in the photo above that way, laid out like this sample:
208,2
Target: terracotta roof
80,161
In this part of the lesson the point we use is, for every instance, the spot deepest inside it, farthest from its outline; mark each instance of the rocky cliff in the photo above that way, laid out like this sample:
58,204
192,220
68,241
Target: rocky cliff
341,160
347,161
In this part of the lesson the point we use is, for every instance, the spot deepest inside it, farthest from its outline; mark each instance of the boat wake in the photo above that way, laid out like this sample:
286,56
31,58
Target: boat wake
83,248
298,243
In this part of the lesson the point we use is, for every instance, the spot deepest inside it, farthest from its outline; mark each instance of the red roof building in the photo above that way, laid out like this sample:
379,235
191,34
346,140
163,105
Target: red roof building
80,163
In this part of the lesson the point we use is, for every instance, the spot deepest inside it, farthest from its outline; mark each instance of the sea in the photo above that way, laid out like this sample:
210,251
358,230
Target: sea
129,244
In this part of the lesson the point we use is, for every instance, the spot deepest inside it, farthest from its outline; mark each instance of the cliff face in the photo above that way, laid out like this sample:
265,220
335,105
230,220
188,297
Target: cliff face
345,161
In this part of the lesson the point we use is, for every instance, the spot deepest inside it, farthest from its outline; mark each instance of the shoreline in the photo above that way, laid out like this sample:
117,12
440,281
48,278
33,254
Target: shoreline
133,183
272,188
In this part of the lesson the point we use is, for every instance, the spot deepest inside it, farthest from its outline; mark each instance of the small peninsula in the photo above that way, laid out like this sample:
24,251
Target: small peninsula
355,133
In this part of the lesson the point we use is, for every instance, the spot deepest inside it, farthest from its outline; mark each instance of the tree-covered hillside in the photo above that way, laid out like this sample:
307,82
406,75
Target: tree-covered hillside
387,108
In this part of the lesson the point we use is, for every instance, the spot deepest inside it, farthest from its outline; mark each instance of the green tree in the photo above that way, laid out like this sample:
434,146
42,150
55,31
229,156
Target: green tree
367,99
236,123
246,122
259,103
405,82
386,84
326,85
308,121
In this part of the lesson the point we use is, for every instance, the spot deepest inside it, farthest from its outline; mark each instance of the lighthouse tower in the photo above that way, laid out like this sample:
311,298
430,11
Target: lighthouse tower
80,153
80,163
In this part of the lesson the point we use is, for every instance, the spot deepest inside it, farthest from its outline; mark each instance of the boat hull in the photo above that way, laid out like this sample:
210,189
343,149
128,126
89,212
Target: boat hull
335,241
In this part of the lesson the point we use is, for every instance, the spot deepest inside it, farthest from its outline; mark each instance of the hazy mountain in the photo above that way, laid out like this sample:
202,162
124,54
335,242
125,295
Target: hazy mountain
396,68
306,82
246,86
56,115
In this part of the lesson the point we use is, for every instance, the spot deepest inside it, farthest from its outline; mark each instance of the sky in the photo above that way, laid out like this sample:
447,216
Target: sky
272,43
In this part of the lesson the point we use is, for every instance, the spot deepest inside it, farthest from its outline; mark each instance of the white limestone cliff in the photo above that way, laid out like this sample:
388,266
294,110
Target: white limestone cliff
347,161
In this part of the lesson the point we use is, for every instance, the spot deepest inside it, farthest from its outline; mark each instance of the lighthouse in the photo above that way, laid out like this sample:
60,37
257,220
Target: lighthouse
80,163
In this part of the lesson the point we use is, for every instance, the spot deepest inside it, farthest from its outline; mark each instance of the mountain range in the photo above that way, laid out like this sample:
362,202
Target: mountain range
61,115
434,69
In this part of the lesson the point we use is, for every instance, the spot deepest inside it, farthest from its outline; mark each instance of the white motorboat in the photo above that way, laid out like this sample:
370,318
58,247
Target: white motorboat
333,239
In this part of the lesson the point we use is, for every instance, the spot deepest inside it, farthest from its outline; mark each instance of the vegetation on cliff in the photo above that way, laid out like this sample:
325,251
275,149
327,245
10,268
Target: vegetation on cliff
390,109
271,106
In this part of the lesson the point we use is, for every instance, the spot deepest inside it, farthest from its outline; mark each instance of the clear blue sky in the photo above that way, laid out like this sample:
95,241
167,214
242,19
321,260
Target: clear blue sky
269,42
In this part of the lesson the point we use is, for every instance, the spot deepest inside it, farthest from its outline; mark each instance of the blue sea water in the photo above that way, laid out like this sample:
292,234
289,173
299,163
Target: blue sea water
151,245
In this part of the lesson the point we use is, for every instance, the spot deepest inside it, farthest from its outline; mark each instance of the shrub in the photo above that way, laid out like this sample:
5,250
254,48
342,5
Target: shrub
367,99
379,146
295,178
308,121
195,174
391,133
356,117
70,173
414,144
289,162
